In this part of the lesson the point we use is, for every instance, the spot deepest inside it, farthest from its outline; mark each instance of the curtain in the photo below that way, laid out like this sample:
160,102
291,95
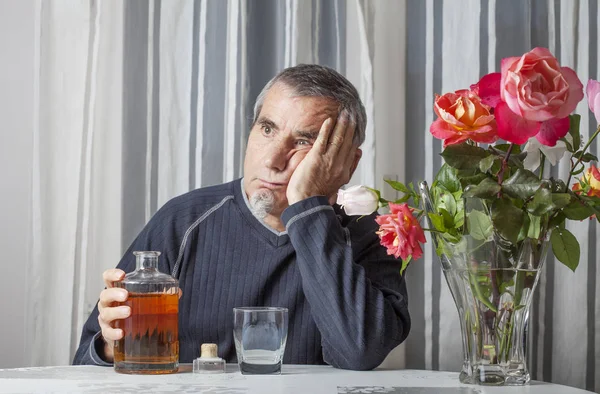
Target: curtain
138,101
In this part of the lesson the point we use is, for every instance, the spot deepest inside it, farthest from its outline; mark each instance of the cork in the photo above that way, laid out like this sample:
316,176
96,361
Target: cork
208,350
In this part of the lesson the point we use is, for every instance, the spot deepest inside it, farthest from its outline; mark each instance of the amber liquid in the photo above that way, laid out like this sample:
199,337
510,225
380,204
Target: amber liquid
150,344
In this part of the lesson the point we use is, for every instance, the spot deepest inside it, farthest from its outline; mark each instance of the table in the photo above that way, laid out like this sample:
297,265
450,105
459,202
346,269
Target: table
294,379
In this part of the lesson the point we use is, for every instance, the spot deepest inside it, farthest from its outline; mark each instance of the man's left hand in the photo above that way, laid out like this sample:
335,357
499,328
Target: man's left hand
329,164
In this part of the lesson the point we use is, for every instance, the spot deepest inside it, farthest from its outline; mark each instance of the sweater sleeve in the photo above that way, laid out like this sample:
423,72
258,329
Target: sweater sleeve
357,296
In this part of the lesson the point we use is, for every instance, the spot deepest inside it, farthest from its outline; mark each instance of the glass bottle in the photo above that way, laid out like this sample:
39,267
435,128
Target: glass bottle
150,344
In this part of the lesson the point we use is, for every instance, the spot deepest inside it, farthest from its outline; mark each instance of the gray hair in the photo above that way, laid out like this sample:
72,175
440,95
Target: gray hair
312,80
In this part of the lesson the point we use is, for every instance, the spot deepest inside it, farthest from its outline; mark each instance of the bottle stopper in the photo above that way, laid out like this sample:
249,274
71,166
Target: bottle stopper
209,350
209,361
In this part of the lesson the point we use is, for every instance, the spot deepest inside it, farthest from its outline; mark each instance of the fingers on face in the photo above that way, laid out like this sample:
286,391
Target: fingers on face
323,137
342,137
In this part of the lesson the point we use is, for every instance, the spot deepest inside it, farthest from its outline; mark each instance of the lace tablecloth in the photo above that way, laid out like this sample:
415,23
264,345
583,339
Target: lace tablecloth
295,379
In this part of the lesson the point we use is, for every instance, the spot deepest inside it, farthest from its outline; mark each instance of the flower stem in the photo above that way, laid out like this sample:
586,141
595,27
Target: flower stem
503,168
542,162
581,156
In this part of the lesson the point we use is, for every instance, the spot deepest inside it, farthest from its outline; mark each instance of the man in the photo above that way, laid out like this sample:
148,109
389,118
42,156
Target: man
273,238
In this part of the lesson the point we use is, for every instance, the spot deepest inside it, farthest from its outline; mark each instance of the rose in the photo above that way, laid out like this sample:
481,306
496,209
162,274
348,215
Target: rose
535,150
593,95
358,200
400,232
590,183
532,96
536,87
463,116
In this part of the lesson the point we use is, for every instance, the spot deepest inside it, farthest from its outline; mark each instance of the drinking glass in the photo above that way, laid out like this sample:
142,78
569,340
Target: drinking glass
260,335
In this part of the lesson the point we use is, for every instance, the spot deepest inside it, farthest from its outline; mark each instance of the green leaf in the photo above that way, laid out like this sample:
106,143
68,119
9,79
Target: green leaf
447,178
544,201
459,217
574,121
469,180
565,247
524,228
507,219
437,221
568,144
486,163
541,203
504,148
577,210
557,220
405,264
403,199
448,219
578,171
397,186
535,226
488,188
561,200
463,156
586,158
522,184
480,225
447,202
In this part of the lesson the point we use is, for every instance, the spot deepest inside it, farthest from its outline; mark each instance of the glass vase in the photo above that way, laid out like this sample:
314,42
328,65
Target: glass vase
492,282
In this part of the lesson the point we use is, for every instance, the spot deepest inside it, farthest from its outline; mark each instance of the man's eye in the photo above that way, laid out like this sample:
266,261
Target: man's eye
302,142
267,130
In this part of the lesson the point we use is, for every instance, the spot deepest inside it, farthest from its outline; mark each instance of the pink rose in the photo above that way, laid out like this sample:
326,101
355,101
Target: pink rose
593,95
400,232
462,116
534,97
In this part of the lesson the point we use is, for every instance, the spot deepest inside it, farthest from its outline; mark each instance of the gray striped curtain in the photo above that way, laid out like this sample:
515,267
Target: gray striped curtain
450,46
140,101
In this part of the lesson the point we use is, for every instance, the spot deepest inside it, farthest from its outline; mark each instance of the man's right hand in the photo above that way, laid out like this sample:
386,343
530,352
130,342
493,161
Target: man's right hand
108,312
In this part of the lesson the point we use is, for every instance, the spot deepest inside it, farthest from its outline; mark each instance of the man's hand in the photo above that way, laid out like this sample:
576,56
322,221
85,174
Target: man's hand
329,164
108,312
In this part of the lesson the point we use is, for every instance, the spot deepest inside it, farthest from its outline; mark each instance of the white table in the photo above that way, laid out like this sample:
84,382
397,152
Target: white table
295,379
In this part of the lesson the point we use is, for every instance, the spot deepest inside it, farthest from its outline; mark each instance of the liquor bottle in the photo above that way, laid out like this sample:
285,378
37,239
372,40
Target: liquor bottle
150,343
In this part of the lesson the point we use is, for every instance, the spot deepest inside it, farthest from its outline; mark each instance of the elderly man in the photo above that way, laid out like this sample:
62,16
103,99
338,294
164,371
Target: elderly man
273,238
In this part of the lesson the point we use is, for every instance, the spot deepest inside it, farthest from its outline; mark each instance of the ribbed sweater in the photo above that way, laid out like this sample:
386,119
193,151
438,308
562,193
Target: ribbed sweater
347,301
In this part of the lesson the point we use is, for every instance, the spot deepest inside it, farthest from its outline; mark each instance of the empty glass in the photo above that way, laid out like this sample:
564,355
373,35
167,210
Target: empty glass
260,334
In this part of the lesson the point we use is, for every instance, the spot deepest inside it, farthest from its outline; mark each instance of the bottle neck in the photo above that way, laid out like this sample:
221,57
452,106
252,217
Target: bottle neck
147,260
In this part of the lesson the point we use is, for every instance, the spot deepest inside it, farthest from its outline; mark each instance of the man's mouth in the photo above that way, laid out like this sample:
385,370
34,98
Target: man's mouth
271,185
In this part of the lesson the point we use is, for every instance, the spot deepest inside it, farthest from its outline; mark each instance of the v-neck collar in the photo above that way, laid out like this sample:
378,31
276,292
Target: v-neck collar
273,236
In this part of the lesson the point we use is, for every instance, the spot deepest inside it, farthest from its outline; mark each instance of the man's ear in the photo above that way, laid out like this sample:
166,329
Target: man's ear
357,156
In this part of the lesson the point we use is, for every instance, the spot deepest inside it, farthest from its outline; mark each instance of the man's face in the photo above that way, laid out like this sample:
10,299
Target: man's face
284,132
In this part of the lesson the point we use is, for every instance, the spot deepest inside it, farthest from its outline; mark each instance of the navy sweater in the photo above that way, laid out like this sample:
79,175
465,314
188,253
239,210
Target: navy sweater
347,301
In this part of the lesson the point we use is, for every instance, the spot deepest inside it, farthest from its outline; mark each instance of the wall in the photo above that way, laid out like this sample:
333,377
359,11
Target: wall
16,129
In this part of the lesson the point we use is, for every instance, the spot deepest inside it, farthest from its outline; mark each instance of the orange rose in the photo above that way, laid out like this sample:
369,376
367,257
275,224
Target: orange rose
590,184
463,116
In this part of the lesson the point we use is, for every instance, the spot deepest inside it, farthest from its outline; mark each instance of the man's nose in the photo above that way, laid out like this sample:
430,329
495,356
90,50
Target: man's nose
276,156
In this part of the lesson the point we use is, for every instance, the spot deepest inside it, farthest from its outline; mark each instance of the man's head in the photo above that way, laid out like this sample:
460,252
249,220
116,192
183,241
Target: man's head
288,115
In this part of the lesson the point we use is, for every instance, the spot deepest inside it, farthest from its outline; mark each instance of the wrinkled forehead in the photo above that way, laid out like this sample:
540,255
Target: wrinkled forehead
284,104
